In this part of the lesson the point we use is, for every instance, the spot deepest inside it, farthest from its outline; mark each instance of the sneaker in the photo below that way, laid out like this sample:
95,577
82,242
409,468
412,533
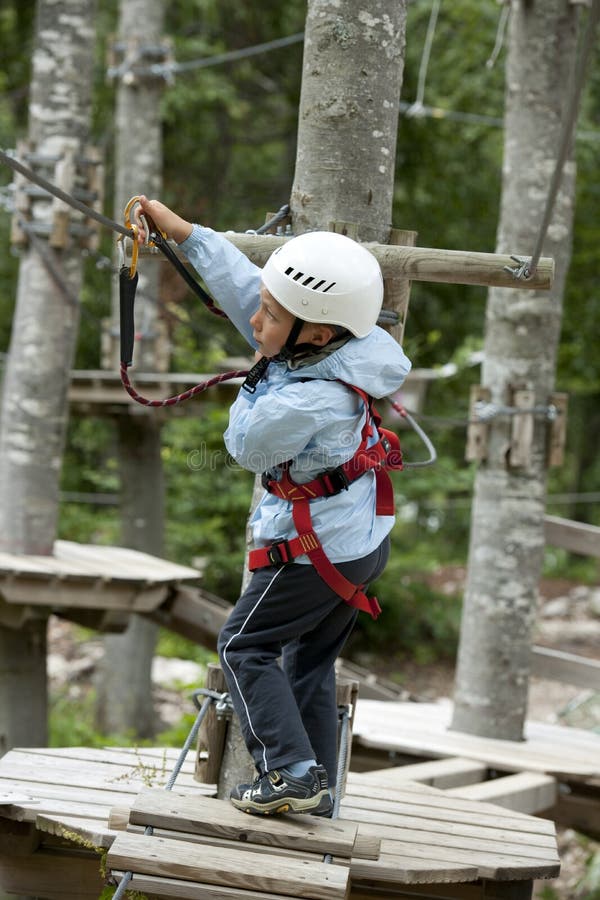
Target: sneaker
276,792
325,807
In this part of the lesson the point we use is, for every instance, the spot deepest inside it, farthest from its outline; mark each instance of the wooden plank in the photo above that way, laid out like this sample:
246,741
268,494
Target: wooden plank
441,805
527,792
139,772
160,758
440,773
521,440
99,594
578,811
577,537
202,815
370,686
504,844
89,831
193,613
391,871
126,781
408,827
494,865
234,868
424,732
223,843
147,762
569,668
124,562
151,885
94,561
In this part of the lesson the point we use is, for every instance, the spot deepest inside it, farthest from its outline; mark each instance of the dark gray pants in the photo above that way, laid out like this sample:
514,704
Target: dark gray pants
288,712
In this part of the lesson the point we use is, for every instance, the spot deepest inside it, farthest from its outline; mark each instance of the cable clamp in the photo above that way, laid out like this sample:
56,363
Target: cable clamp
520,272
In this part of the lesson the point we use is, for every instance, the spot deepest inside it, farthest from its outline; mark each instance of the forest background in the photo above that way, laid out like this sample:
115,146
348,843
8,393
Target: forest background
229,145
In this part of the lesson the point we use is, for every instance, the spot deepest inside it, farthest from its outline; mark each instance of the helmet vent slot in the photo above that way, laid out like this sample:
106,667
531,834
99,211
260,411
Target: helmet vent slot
296,275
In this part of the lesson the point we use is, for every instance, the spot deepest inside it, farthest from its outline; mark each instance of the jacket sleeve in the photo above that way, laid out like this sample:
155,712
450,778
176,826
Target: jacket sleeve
229,275
270,427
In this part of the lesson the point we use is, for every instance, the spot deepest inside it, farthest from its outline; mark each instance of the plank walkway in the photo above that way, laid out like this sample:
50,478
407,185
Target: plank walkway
58,807
97,586
423,730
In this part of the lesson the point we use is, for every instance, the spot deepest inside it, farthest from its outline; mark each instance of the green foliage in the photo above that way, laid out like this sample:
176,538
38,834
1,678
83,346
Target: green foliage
589,886
229,140
415,619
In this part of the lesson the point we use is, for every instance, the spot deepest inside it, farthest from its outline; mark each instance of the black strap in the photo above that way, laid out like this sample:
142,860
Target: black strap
127,289
287,351
162,244
256,374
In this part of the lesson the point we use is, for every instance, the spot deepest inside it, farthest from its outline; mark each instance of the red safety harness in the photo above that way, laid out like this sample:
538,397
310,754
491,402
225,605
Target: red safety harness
384,454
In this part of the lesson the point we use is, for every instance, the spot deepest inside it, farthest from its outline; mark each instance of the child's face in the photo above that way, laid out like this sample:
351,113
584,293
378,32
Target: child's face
272,323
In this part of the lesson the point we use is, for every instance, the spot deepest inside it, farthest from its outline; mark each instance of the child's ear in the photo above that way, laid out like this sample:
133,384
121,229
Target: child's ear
321,334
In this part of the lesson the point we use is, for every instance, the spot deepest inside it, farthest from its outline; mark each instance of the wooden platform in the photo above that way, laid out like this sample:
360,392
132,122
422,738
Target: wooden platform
96,585
555,770
101,393
423,730
402,839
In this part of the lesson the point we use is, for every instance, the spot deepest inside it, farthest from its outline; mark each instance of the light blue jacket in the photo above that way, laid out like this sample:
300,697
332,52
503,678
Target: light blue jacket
316,423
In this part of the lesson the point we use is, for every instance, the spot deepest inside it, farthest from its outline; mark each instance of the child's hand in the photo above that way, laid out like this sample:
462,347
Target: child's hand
164,218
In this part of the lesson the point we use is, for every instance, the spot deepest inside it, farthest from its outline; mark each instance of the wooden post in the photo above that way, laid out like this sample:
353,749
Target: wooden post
221,754
397,288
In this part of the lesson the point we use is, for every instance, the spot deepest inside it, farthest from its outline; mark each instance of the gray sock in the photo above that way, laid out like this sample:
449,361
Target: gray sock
299,768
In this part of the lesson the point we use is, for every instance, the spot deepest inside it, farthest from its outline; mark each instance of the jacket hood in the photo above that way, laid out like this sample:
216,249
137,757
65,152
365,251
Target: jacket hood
376,363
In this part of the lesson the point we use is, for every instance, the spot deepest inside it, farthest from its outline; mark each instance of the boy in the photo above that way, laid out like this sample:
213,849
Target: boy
303,422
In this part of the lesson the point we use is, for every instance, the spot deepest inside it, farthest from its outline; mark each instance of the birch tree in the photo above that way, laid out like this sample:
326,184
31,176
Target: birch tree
138,153
44,330
521,340
348,118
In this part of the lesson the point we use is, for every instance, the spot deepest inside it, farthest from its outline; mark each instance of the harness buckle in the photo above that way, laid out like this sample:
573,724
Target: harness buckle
334,480
279,554
268,479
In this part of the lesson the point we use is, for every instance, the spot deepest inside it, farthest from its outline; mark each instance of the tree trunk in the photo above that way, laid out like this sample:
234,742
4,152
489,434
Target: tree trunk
128,657
348,117
34,401
521,340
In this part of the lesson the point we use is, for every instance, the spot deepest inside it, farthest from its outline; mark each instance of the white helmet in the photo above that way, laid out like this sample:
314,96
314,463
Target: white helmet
326,277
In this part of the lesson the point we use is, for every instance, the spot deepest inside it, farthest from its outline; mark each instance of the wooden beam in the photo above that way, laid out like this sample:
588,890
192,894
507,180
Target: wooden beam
232,868
454,771
190,814
526,792
579,811
577,537
566,667
153,886
193,613
418,263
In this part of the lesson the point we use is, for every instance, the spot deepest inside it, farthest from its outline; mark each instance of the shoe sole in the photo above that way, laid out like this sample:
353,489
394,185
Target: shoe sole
275,807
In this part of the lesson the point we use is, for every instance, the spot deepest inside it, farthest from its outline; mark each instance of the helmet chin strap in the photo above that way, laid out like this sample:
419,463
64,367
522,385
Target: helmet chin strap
258,370
287,351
